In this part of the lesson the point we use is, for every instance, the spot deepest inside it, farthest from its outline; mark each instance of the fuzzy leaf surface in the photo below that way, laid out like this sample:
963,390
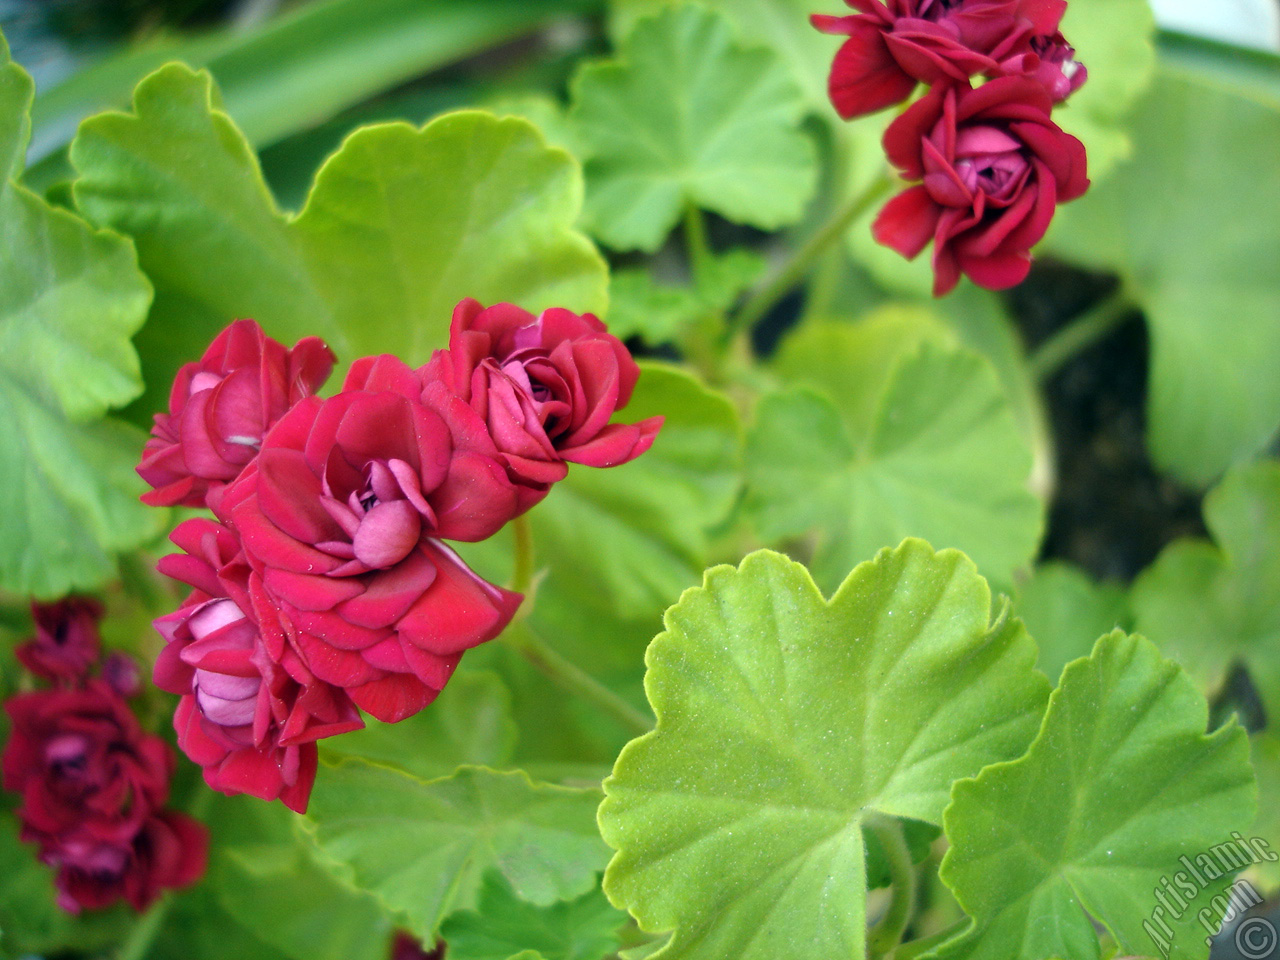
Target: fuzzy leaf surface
687,115
891,435
784,719
401,224
71,297
1121,782
422,846
503,926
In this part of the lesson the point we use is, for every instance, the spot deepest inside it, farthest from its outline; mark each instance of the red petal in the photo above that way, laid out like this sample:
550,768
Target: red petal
864,76
394,697
908,222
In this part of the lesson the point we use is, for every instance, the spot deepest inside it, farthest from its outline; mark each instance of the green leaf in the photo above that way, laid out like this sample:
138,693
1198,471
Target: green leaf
686,115
1266,763
469,723
1210,605
401,225
197,928
504,926
404,223
70,299
781,25
659,312
910,438
1121,783
31,922
422,846
1114,39
209,236
1199,262
783,721
639,534
1062,606
265,877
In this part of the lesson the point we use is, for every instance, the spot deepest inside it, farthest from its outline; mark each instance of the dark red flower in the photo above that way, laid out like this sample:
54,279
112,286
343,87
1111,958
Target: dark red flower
122,674
221,407
66,643
83,766
994,168
406,946
542,388
169,851
893,44
340,516
1051,62
243,717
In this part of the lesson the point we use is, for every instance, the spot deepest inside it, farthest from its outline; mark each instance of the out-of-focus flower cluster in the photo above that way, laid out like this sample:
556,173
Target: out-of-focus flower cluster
93,784
992,165
323,585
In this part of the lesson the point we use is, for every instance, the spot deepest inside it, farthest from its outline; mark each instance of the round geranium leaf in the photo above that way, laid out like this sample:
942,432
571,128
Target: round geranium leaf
784,720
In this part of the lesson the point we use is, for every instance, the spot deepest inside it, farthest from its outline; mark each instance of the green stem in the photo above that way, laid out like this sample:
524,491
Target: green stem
572,678
1079,334
794,270
522,575
144,931
888,931
918,948
695,240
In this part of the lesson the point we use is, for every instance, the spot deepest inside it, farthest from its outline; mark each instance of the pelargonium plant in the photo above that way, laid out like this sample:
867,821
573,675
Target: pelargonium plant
494,480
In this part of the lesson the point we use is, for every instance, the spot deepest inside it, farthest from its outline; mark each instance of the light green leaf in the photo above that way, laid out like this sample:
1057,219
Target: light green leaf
208,233
404,223
686,115
904,442
401,225
469,723
781,25
1062,607
783,721
70,299
660,312
1199,261
1121,783
1266,763
422,846
1211,605
639,534
264,875
1114,39
503,926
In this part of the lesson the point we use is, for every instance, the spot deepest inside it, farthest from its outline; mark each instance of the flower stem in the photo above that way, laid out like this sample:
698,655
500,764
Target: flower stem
569,676
522,575
695,239
888,931
1079,334
791,272
144,932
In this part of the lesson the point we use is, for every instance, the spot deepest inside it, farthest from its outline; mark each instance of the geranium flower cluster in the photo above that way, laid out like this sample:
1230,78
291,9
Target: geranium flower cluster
324,585
992,165
93,784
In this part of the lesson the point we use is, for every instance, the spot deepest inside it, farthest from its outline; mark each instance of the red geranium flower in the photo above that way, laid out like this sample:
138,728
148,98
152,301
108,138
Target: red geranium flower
994,168
220,408
894,44
341,515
